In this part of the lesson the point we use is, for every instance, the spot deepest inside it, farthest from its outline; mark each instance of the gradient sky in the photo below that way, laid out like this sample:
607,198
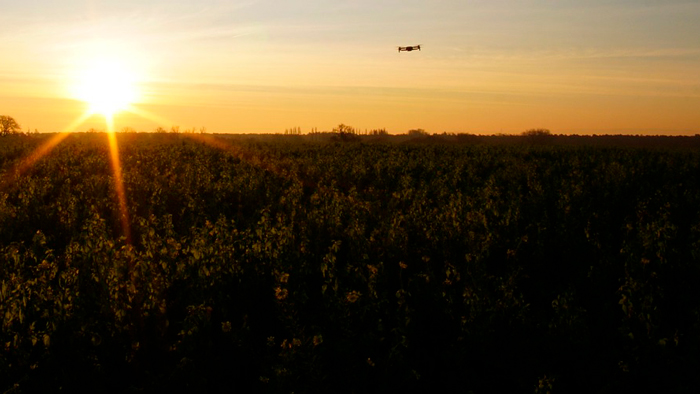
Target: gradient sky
594,66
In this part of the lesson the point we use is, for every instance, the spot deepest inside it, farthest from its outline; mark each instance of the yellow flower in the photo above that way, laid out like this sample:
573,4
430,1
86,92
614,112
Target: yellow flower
280,293
403,265
352,296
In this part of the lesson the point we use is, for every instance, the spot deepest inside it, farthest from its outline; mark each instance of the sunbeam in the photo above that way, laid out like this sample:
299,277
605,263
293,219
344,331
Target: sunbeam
22,166
248,156
118,179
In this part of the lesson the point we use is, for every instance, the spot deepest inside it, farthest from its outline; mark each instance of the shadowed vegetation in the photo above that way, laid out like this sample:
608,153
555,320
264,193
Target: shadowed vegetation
279,266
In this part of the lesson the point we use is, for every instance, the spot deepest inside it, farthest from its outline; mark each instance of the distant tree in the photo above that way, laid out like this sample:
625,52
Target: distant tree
345,133
344,129
160,129
417,133
8,125
536,133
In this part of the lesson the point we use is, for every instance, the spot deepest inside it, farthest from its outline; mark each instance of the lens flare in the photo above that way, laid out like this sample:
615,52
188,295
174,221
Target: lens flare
118,179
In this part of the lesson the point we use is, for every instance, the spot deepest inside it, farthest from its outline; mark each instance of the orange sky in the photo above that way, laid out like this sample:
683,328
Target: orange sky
261,66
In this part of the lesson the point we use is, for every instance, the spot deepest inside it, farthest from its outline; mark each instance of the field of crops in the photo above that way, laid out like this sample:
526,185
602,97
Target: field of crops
289,265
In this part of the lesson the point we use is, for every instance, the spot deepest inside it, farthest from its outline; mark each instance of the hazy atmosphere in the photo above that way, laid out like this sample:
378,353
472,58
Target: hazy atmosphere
264,66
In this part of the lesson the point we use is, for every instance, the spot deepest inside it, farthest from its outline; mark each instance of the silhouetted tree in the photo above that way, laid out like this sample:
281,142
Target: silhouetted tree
343,128
536,133
417,133
346,133
537,136
8,125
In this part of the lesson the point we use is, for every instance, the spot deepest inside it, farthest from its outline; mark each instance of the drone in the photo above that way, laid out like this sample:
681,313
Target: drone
410,48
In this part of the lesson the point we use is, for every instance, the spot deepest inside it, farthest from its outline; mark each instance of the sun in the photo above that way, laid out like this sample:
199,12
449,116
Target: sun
107,86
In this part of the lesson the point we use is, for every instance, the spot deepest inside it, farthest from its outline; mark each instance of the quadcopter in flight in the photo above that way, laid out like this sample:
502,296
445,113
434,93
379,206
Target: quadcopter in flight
410,48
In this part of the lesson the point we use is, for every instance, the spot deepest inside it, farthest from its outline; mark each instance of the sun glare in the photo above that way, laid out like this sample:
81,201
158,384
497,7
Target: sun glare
107,87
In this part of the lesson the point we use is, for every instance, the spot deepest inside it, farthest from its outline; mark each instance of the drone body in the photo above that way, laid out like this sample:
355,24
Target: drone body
410,48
